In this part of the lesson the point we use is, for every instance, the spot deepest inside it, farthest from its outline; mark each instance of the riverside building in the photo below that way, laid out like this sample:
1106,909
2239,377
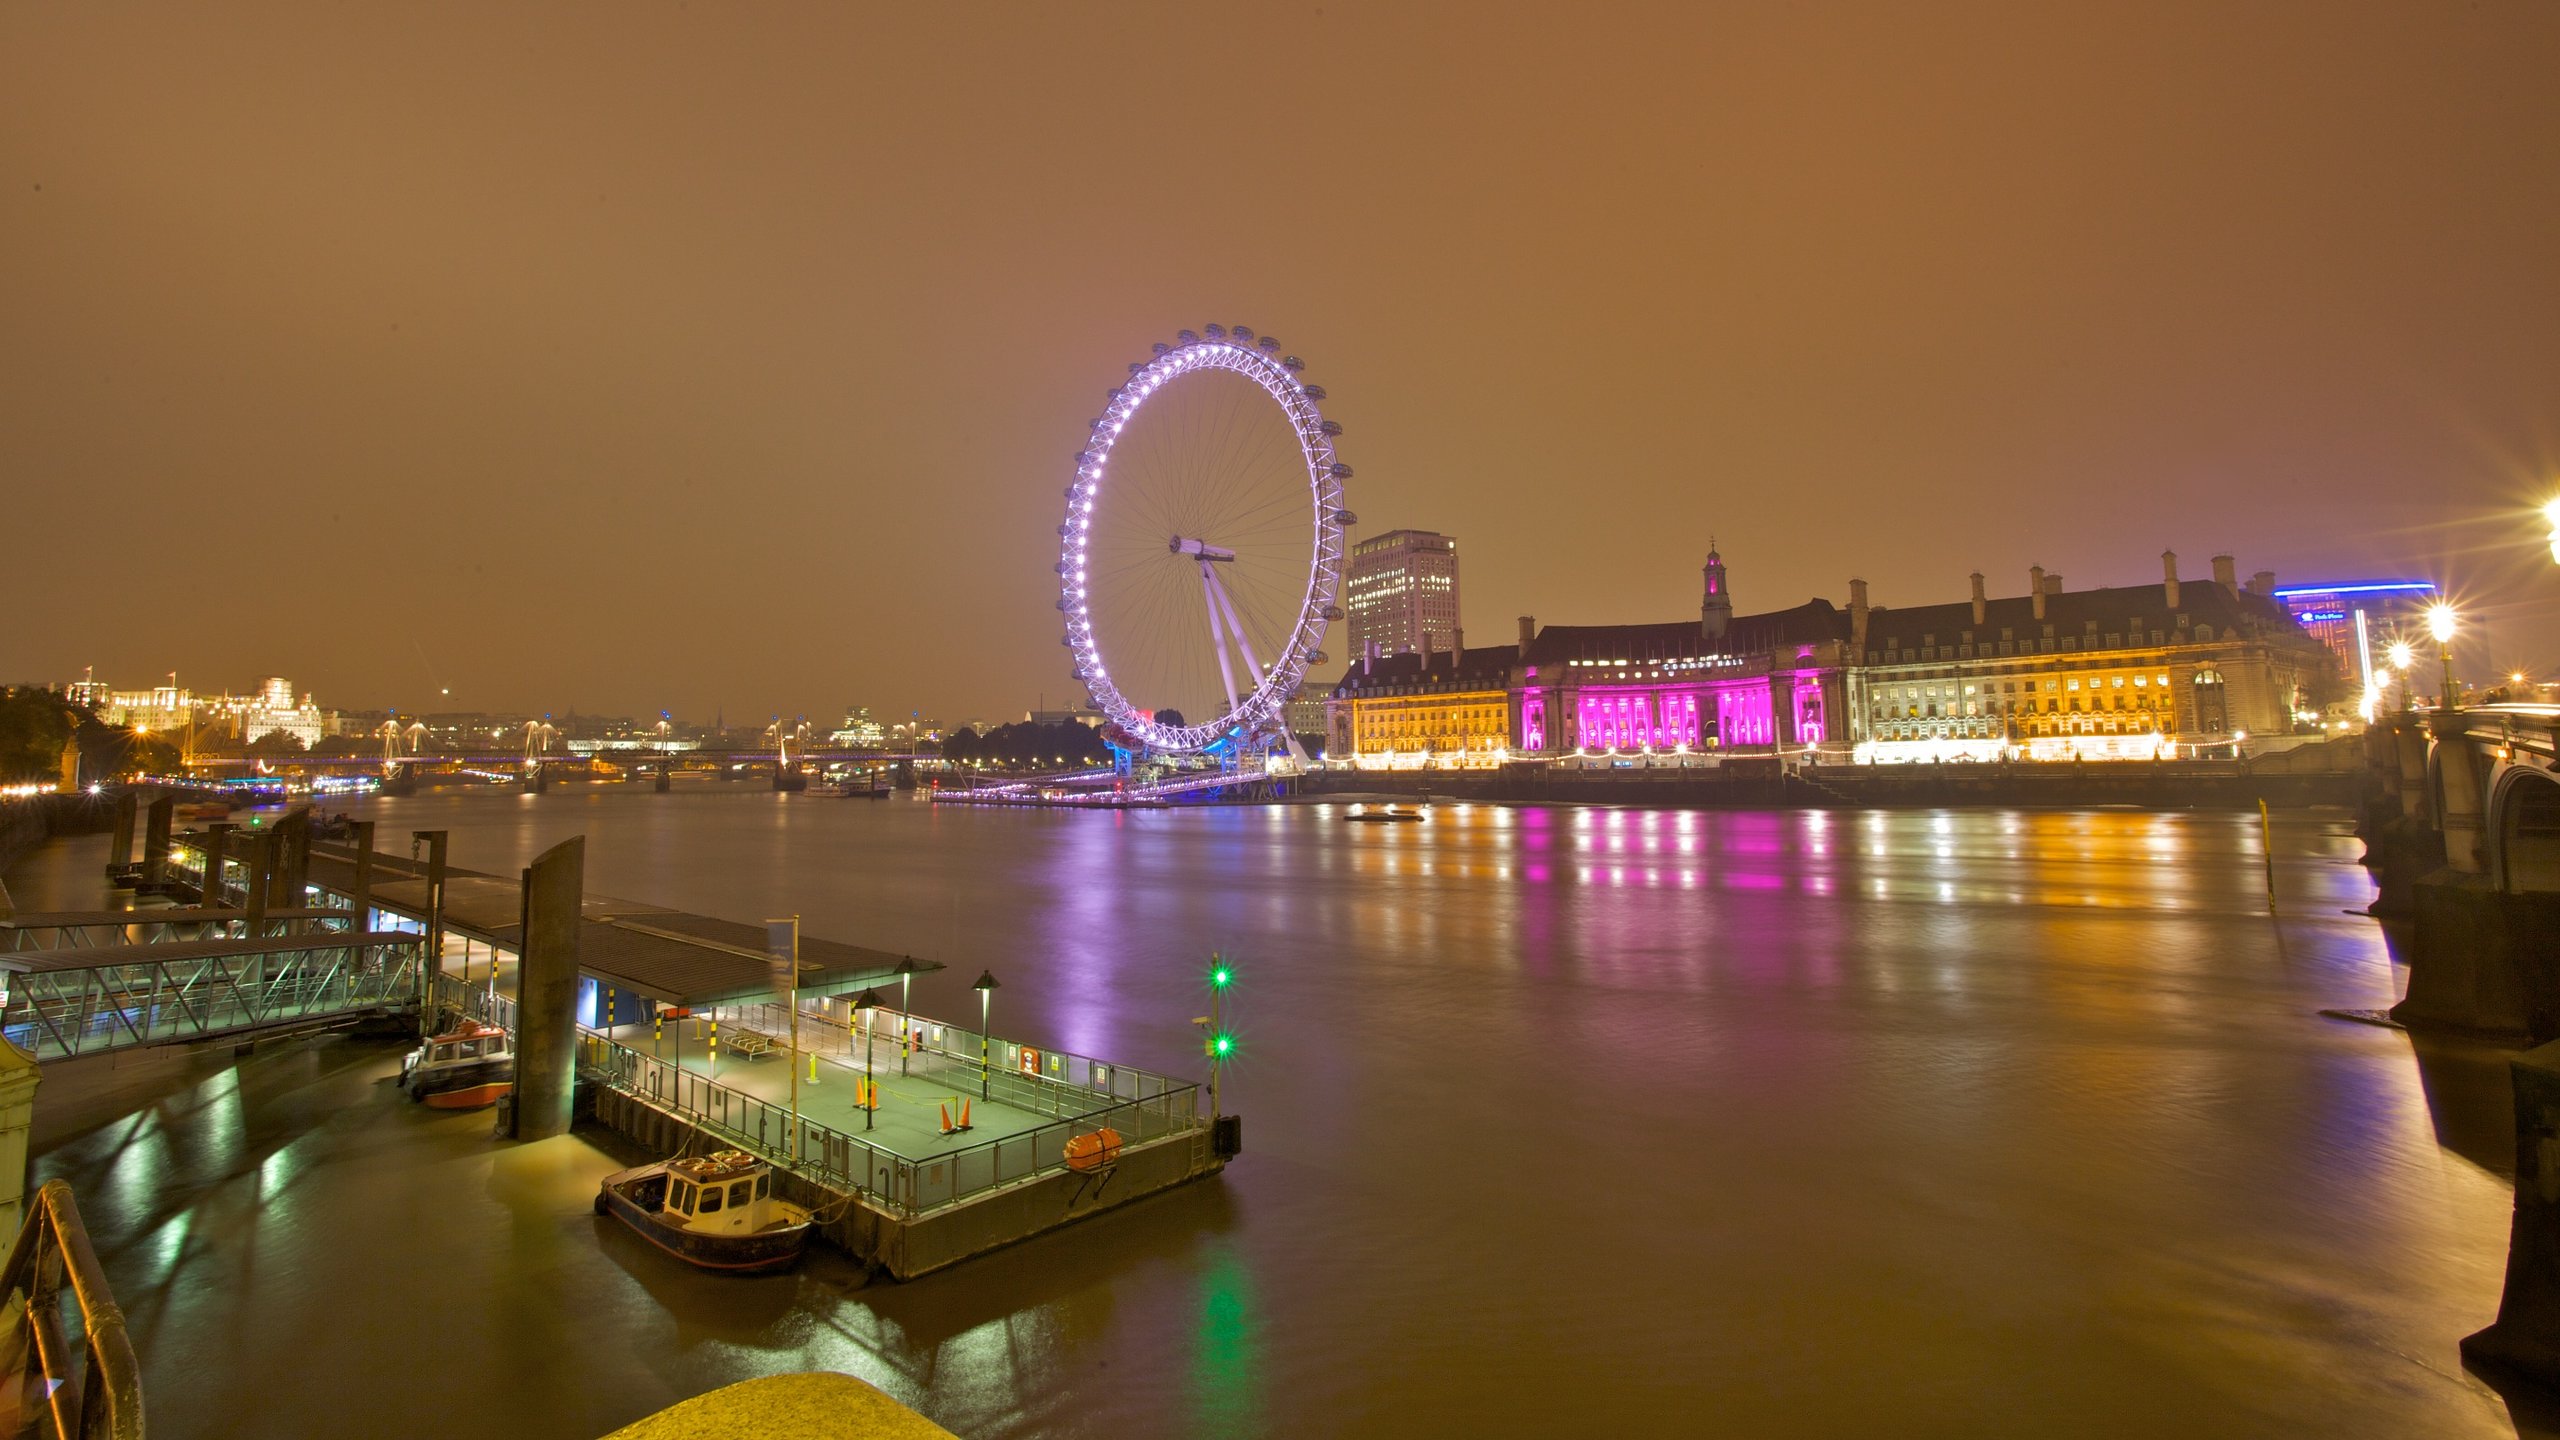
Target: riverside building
2121,673
1774,682
1401,594
1435,709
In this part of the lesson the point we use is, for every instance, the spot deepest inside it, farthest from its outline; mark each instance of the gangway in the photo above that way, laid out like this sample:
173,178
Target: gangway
92,999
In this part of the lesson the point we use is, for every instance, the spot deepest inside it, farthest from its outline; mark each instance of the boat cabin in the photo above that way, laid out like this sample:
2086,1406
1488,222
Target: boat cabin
728,1193
472,1042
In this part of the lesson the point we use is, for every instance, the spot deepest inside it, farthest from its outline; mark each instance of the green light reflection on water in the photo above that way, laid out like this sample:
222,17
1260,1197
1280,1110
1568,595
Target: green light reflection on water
1226,1366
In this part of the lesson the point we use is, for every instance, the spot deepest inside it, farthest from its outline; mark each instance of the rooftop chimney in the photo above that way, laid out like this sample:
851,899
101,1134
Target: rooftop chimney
1528,632
2035,588
2226,572
1457,642
2169,576
2053,584
1858,615
1978,599
2264,582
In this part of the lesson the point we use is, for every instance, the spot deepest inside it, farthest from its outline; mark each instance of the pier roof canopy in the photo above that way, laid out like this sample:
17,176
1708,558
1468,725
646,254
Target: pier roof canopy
670,955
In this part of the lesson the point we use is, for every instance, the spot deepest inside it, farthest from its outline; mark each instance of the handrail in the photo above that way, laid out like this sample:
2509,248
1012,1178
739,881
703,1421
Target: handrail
98,1394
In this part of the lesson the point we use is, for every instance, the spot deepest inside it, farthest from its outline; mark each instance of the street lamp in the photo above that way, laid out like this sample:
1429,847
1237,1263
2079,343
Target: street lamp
866,1002
2401,659
906,1017
986,988
2551,512
2440,624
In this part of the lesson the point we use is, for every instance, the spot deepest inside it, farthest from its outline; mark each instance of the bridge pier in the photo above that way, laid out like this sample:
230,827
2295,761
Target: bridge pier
2525,1338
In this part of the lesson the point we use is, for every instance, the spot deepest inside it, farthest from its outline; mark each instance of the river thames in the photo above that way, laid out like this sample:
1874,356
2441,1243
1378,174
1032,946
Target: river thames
1556,1120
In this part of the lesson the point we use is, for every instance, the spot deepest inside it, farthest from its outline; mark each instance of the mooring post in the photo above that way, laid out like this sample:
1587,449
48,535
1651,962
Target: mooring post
362,899
547,991
212,892
120,849
254,862
433,841
155,840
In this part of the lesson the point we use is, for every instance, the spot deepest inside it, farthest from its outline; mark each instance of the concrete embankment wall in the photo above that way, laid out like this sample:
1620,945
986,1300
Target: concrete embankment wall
906,1248
1750,784
29,822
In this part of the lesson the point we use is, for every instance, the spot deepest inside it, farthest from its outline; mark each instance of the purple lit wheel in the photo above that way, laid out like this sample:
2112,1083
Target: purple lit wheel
1201,556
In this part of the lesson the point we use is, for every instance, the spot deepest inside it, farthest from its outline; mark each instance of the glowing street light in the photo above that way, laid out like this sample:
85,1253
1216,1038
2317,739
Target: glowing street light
2441,624
2551,513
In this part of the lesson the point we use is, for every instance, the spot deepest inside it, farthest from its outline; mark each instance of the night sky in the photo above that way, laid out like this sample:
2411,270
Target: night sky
622,357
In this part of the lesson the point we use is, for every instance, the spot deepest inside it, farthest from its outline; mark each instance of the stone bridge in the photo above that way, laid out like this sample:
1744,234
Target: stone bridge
2462,825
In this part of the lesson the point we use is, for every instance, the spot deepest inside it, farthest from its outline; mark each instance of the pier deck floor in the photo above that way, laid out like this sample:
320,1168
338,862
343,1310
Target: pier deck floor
909,1119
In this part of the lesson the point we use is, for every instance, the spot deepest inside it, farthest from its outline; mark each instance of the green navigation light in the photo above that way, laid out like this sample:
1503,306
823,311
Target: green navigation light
1221,976
1222,1045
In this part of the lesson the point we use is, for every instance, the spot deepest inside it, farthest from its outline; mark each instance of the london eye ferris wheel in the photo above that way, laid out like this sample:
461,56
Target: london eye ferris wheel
1200,560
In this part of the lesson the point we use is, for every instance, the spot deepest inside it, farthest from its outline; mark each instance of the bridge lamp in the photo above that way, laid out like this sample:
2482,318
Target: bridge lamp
2551,513
2441,624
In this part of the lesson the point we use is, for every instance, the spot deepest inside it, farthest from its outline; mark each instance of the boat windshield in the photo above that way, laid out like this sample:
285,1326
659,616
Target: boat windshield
681,1198
741,1193
710,1199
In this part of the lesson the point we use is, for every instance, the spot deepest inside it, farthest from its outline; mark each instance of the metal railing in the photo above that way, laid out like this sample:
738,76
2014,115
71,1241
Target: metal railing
908,1186
52,1014
91,1386
1055,1082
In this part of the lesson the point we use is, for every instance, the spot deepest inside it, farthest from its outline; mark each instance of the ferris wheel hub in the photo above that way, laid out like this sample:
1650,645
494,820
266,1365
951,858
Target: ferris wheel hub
1201,548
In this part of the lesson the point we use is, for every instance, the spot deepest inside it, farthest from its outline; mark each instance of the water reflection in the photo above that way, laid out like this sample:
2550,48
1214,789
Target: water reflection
1556,1120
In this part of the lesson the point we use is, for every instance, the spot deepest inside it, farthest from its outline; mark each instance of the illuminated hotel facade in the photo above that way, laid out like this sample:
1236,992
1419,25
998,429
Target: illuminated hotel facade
1438,710
1400,594
2121,673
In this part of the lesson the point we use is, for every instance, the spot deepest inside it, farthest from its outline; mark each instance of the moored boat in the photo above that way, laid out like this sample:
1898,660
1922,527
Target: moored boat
1391,815
715,1212
464,1068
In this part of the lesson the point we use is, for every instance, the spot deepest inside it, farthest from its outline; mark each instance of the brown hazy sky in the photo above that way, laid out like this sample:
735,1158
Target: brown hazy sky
628,356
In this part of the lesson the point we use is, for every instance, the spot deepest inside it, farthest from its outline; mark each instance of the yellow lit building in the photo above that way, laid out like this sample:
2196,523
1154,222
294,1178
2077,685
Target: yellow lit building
1436,710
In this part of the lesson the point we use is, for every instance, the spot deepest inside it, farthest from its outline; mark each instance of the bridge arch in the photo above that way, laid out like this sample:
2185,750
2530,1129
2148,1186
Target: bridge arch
2524,821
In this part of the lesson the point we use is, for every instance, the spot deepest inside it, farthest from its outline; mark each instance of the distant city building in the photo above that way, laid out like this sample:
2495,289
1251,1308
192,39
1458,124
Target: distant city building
2358,620
2124,672
1090,719
88,690
1444,710
161,708
272,711
859,731
1306,711
1401,594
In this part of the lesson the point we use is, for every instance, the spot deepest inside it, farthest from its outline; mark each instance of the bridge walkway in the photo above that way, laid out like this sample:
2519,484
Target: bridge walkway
87,1000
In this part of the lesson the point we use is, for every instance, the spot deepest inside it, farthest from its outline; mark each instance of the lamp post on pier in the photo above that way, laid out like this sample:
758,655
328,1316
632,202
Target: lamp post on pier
986,988
906,1015
868,1002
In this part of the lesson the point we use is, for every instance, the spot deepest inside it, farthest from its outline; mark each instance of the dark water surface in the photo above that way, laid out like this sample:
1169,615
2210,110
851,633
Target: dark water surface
1557,1121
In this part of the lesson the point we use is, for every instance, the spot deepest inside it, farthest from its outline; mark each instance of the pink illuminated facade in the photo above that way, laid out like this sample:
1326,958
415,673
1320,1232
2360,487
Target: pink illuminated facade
1759,682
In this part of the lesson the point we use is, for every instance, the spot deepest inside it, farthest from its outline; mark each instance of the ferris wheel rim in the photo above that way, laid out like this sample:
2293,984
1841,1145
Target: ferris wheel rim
1278,681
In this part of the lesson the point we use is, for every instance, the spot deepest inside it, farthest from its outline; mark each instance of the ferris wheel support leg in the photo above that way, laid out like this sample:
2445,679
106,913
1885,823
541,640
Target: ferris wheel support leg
1210,591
